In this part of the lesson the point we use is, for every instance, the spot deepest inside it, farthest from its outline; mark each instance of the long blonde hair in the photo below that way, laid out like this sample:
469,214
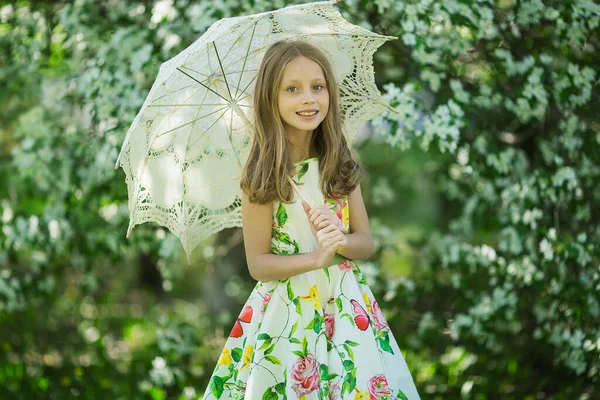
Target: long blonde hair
265,174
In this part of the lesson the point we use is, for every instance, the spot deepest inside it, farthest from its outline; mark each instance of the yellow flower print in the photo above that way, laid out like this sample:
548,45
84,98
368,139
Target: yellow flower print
361,395
247,357
345,215
225,358
313,295
367,302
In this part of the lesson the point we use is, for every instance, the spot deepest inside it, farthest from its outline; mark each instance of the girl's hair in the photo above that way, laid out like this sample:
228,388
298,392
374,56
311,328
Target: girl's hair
264,177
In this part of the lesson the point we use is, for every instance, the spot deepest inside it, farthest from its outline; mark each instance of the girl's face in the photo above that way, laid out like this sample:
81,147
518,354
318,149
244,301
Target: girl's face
303,87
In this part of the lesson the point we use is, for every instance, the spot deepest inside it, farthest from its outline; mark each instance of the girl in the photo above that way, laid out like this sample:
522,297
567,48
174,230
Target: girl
311,328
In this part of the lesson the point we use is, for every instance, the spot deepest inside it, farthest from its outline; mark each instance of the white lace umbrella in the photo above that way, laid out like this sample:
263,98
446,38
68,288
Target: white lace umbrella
185,150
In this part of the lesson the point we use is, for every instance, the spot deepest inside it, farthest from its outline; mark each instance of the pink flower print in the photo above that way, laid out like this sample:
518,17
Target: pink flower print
338,209
266,300
378,387
338,213
305,375
329,324
345,265
334,391
380,321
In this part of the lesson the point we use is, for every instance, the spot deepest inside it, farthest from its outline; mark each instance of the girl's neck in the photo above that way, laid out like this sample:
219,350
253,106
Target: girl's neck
304,155
301,145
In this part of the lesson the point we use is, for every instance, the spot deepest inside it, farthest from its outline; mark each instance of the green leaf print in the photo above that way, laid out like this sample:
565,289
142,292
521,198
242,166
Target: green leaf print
266,344
270,394
298,353
280,388
326,271
305,346
281,215
298,306
290,291
216,386
323,372
348,365
294,327
349,383
338,303
263,336
351,343
310,325
270,349
236,354
400,395
384,343
302,171
349,350
272,359
295,340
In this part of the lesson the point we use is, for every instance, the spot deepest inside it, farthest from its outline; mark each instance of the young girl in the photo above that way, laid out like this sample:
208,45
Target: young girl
311,328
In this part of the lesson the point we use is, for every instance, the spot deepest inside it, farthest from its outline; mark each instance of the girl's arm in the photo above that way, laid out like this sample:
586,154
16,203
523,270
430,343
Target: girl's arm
360,241
262,264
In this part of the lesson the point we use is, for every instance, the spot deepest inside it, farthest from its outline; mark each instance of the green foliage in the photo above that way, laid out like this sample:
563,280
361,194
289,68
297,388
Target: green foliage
491,178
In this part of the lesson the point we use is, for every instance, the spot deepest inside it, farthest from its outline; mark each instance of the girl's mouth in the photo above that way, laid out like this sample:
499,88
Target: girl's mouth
307,116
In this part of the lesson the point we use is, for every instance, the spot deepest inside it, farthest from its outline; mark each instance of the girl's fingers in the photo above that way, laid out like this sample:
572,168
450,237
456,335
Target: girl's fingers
323,224
319,219
317,212
326,231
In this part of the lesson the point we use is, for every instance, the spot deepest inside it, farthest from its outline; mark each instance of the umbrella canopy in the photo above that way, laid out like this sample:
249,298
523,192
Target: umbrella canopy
184,152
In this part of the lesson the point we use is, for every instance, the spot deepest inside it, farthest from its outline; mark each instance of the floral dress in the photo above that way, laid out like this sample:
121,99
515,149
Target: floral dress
317,335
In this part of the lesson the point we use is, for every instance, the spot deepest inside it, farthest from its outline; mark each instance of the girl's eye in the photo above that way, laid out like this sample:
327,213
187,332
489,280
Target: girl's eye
297,88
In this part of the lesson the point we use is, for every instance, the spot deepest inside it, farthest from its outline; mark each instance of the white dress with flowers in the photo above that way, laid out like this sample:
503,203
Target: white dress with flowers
317,335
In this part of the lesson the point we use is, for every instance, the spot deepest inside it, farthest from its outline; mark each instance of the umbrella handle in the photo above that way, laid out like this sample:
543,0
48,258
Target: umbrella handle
297,189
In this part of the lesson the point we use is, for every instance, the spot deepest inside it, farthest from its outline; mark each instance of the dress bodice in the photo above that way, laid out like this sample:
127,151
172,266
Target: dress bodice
291,232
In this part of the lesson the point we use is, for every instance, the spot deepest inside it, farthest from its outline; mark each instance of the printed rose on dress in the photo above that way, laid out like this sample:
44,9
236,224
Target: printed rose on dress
334,391
378,316
265,302
378,388
305,375
329,324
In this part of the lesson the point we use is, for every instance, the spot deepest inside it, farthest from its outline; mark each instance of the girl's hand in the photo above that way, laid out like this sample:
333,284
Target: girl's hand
330,241
323,216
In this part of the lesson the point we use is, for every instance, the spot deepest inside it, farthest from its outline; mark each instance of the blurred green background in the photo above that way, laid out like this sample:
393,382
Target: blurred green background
483,197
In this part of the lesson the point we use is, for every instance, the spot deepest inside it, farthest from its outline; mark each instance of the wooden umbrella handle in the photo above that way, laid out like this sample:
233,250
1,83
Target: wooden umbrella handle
297,189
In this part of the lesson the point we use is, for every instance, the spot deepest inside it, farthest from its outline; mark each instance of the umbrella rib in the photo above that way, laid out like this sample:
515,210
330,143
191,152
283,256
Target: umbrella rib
242,33
192,121
245,59
207,129
207,88
166,119
190,69
222,70
246,88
